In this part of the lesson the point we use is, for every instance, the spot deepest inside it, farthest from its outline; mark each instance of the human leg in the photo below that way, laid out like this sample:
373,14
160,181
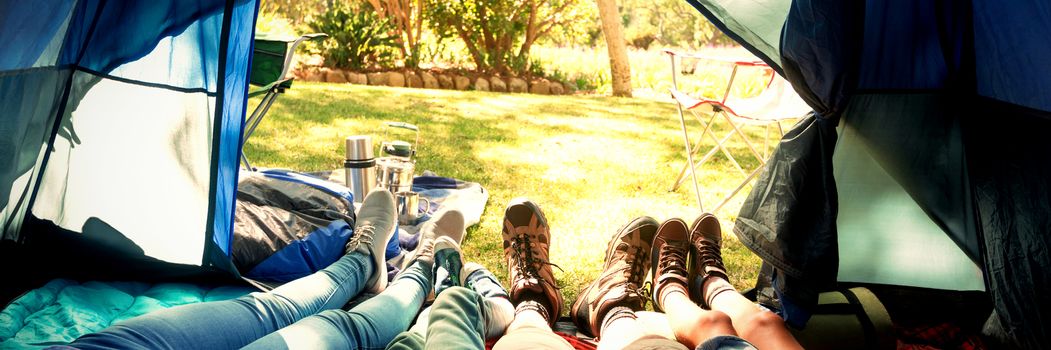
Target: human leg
369,325
457,318
711,287
236,322
534,292
530,329
606,308
376,322
690,324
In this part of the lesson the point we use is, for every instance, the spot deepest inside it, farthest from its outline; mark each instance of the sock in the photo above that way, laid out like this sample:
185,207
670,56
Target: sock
668,289
712,288
616,313
501,313
532,305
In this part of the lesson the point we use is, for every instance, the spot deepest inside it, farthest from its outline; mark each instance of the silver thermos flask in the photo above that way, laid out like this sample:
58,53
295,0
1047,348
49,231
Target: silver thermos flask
360,165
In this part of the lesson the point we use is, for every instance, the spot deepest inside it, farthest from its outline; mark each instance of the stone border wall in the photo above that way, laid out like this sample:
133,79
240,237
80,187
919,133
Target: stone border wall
437,80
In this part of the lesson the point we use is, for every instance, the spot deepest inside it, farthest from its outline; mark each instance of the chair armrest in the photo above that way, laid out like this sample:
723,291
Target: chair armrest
687,101
746,63
266,88
292,50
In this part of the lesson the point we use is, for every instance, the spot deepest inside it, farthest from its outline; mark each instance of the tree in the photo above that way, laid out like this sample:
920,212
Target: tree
620,70
500,33
670,22
407,18
356,39
298,12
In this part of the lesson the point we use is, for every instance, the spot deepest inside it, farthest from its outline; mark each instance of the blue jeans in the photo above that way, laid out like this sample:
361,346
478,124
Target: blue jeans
302,312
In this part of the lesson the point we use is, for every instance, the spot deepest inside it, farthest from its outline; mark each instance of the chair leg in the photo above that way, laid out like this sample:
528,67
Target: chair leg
719,145
696,148
739,187
244,161
253,121
258,114
682,172
747,142
712,151
689,158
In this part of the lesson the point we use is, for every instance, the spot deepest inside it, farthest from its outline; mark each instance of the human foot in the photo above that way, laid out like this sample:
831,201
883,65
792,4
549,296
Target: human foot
707,260
526,240
372,230
448,264
671,245
619,285
448,223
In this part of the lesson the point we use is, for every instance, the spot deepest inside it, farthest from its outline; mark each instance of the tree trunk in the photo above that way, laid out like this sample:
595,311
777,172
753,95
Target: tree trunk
612,30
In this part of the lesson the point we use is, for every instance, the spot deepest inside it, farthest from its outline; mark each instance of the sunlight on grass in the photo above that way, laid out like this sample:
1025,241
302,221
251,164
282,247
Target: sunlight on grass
592,163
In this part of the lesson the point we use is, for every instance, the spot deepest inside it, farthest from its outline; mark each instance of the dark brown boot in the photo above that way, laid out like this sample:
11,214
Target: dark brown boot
706,238
671,246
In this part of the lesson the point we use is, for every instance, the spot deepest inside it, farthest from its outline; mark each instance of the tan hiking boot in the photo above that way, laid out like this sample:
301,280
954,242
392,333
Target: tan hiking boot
671,246
526,240
706,239
620,283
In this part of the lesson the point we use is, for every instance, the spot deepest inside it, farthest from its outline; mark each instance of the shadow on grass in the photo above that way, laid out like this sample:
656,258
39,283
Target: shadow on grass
591,162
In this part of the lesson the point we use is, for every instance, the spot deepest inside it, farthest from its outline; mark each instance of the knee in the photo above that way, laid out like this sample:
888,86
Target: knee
713,320
763,320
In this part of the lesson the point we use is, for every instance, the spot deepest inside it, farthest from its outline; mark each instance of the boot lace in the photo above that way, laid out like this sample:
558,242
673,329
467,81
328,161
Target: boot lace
526,263
710,254
633,272
362,234
672,260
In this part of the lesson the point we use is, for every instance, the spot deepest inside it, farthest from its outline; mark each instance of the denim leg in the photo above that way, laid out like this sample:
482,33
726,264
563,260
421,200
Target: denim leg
236,322
369,325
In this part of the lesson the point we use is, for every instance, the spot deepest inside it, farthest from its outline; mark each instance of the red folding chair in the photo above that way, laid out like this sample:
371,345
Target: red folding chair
775,103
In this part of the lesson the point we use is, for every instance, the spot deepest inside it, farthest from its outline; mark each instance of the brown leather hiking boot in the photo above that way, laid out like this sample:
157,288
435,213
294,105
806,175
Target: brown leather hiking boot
526,239
706,257
620,283
671,246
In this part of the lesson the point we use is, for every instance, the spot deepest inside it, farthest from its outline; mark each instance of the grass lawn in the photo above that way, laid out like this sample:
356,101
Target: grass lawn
592,163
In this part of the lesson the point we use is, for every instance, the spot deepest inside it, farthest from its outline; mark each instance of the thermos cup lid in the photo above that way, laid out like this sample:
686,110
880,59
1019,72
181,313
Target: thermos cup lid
359,147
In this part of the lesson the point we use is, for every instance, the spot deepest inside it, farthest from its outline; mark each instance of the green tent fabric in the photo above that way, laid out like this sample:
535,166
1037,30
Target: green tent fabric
945,108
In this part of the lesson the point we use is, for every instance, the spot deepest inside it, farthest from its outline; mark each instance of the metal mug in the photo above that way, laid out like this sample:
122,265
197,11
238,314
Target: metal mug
408,204
394,174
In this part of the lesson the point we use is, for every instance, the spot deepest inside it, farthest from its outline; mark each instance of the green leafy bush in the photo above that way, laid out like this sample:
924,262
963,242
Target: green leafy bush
358,38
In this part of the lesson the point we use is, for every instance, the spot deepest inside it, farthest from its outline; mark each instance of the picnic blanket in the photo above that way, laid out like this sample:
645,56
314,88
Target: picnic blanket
63,310
444,194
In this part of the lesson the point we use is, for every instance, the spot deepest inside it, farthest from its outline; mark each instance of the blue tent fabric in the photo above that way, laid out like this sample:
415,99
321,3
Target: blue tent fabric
227,147
966,141
64,64
1011,51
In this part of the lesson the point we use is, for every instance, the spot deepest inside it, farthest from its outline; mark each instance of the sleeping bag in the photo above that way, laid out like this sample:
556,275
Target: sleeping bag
288,225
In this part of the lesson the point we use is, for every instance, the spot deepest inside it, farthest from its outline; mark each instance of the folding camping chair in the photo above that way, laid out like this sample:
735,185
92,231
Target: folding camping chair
271,60
776,102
